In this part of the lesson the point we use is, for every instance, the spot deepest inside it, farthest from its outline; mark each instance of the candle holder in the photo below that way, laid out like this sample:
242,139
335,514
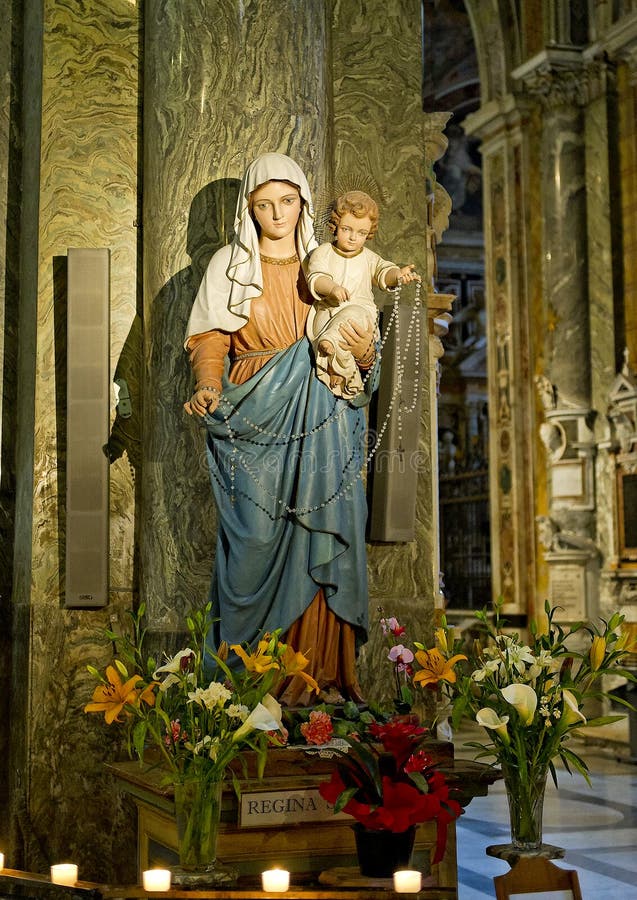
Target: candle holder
64,873
276,881
156,880
407,881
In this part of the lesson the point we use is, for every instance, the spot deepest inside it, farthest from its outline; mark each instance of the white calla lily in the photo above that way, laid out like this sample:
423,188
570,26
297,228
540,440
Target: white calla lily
571,714
274,707
266,716
489,718
523,699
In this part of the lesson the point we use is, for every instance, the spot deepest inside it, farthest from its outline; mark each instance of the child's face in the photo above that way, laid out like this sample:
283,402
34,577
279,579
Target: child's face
352,232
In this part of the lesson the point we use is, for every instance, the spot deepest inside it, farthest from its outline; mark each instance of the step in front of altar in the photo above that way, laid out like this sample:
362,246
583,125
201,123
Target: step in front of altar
281,820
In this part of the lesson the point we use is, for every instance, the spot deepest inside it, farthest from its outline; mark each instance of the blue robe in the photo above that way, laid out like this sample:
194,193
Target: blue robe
271,561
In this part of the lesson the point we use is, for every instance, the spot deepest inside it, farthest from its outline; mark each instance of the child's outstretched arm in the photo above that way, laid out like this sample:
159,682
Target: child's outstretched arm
404,275
330,291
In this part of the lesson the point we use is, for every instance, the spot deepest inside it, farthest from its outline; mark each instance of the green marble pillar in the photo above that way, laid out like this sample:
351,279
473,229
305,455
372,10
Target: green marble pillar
379,147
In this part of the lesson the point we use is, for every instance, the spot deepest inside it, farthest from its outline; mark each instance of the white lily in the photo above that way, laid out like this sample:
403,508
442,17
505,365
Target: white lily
173,667
524,700
571,714
215,695
266,716
489,718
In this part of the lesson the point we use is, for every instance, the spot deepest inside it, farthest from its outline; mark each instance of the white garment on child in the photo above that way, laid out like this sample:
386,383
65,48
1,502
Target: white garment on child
338,369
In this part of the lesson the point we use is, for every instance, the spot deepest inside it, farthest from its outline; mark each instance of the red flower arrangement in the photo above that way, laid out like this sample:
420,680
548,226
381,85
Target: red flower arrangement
387,782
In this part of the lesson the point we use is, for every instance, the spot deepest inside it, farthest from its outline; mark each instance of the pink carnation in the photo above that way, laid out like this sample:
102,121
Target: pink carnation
319,729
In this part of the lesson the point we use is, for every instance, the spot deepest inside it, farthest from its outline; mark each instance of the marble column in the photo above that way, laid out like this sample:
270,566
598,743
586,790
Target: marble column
557,79
602,227
561,82
224,81
378,145
503,126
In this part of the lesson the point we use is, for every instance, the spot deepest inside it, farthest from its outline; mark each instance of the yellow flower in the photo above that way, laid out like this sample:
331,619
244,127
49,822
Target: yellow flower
259,661
597,652
541,624
111,698
435,667
440,634
293,664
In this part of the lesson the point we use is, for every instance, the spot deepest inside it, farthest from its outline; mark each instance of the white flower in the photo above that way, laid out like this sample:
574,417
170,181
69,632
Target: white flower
518,655
173,667
489,718
572,714
490,666
544,659
266,716
523,698
215,695
238,711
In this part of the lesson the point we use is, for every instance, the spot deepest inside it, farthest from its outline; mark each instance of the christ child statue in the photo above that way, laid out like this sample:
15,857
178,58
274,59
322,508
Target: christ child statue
340,277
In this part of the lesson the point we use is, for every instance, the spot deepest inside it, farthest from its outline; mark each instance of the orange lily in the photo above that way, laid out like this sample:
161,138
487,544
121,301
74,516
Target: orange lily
259,661
111,698
294,662
435,667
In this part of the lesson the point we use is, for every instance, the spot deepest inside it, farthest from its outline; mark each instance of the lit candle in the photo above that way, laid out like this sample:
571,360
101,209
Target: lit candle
1,861
64,873
156,879
407,881
275,880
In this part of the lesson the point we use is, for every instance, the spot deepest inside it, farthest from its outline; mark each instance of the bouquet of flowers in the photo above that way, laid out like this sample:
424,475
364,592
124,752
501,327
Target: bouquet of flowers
197,711
529,698
387,782
200,714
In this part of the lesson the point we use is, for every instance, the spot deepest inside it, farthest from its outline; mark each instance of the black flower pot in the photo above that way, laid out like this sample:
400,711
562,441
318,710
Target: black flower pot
380,853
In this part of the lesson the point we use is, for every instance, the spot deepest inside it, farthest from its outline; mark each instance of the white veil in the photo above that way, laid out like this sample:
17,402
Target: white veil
233,276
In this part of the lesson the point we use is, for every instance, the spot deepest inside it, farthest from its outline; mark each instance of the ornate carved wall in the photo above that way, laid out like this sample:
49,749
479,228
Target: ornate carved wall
556,102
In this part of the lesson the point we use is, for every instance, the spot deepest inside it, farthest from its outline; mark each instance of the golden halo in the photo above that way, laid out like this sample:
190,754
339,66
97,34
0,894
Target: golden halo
361,181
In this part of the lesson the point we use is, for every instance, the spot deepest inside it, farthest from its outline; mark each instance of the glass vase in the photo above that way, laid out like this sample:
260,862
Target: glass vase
526,804
198,812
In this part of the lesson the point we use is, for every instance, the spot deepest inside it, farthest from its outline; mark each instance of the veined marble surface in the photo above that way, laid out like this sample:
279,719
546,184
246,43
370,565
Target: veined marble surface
565,260
378,139
88,198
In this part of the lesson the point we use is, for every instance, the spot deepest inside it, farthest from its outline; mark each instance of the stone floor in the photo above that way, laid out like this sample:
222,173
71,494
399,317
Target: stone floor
597,826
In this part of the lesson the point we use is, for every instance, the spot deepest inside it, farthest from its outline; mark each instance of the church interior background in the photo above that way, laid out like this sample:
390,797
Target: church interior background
501,138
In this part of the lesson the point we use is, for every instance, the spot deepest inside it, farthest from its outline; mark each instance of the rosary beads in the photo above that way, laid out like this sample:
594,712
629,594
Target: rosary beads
352,468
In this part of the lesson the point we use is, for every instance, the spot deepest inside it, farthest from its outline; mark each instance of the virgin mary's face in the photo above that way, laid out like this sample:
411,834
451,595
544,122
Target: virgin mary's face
276,207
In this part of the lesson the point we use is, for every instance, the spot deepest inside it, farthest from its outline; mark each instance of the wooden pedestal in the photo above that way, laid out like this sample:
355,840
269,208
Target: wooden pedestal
305,848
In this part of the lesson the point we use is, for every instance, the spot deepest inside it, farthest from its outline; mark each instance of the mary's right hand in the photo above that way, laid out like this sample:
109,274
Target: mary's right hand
203,401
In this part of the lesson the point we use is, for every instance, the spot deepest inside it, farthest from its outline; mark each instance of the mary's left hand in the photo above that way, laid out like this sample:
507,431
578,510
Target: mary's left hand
359,340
